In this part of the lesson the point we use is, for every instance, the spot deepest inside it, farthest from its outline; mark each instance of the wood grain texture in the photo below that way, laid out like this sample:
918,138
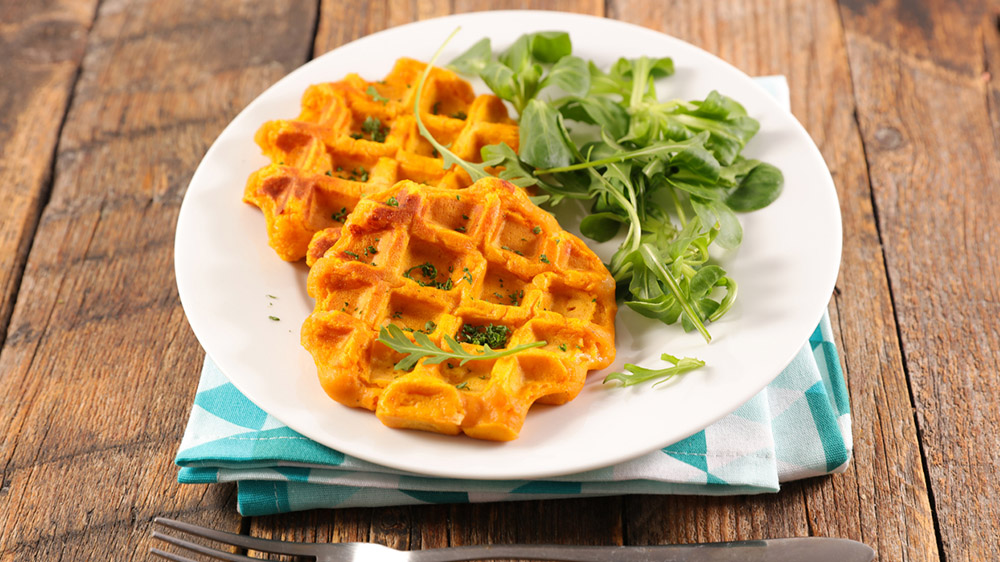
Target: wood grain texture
934,168
41,47
881,500
99,350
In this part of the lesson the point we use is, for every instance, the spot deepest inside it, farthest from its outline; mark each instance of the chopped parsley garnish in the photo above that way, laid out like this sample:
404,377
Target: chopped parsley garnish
352,254
429,273
374,127
430,326
357,136
339,216
271,296
467,275
509,249
397,314
460,229
358,174
515,297
462,385
371,91
459,115
544,259
562,347
537,230
493,335
465,217
392,202
371,250
436,108
275,318
329,173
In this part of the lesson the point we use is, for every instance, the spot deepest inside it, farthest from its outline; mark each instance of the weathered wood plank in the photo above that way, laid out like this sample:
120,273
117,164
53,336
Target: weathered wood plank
991,72
41,46
104,361
881,500
924,117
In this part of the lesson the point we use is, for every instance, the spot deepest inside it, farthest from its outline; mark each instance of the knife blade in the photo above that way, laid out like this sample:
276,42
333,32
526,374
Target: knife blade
802,549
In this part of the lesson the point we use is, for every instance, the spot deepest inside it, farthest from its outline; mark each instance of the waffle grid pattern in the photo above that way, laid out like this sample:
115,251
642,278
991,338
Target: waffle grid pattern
434,260
356,137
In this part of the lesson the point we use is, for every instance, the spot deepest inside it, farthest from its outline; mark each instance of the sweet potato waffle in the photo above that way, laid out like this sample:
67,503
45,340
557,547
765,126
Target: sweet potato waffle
447,262
355,137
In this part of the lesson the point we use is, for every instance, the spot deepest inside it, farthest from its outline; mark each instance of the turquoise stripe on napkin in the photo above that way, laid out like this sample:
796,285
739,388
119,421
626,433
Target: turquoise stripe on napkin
797,427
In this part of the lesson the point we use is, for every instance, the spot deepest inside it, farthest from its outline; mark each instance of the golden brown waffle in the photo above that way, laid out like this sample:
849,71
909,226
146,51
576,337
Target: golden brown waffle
355,137
436,260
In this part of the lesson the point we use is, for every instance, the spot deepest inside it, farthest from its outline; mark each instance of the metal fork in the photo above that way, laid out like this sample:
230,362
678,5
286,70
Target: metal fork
814,549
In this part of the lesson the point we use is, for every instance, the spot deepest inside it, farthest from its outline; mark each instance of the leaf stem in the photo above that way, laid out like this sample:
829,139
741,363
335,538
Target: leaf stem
653,262
648,151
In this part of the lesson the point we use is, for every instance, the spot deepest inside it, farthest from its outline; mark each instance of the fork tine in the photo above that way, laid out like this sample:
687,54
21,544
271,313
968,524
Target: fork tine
201,549
252,543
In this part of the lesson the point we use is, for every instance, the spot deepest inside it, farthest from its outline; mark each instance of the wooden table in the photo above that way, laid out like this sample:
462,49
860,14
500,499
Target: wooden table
107,107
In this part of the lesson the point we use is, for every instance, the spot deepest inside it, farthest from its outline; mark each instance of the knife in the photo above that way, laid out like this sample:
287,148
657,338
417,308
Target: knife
804,549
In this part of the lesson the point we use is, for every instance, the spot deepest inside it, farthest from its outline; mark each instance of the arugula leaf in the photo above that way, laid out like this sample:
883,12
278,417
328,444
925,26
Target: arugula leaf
423,348
637,374
449,158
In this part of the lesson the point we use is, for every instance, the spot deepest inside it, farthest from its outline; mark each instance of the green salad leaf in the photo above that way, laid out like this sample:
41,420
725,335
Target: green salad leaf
421,347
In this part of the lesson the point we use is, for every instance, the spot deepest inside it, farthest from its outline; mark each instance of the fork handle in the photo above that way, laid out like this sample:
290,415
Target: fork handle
814,549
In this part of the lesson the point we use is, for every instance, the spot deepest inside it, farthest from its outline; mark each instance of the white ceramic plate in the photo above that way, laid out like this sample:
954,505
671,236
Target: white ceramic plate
786,270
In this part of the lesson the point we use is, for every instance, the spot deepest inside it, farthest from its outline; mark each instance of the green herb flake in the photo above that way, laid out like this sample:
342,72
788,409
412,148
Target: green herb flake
537,230
459,115
544,259
562,347
392,202
373,93
374,128
463,385
339,216
274,318
352,254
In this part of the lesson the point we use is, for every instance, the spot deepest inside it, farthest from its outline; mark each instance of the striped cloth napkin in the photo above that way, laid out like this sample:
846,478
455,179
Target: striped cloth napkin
797,427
